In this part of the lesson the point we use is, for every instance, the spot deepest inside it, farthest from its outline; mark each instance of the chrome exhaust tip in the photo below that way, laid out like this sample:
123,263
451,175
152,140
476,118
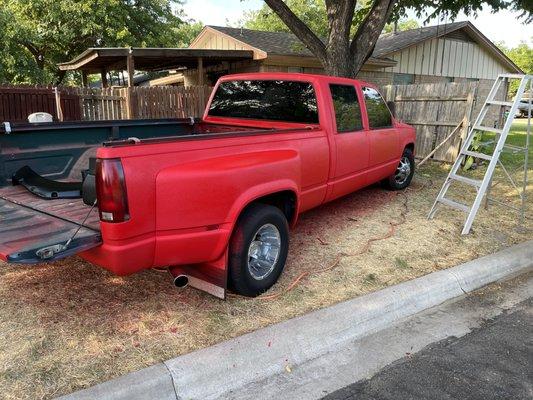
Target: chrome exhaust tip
181,281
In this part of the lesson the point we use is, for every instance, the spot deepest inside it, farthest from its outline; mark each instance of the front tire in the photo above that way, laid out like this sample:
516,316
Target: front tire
258,249
404,172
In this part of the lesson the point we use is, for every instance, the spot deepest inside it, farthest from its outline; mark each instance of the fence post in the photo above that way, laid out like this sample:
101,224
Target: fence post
129,103
59,111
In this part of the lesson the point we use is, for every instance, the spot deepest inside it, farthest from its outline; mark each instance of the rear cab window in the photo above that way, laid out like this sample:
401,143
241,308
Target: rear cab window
379,115
347,108
272,100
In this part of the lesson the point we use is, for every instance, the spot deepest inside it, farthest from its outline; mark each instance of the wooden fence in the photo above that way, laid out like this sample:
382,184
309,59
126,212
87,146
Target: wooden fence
435,109
169,101
17,102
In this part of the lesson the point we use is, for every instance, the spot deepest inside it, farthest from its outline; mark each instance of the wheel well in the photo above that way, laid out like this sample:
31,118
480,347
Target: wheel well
285,201
410,146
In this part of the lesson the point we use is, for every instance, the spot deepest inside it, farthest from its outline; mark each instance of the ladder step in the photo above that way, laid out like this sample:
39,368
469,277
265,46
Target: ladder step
464,179
500,103
488,129
486,143
512,76
475,154
454,204
514,148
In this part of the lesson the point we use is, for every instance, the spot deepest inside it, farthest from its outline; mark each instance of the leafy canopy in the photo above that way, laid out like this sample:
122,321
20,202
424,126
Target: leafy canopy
38,34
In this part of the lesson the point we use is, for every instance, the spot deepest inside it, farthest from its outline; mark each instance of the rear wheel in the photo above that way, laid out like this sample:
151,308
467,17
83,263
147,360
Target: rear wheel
258,249
404,172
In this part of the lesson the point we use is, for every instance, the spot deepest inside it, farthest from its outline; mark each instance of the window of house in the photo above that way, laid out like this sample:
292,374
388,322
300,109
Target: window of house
273,100
379,115
347,109
403,79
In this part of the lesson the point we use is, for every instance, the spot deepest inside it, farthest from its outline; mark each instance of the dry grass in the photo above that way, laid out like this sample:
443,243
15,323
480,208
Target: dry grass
70,325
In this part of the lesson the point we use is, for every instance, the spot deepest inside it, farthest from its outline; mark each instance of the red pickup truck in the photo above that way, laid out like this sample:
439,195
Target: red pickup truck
211,199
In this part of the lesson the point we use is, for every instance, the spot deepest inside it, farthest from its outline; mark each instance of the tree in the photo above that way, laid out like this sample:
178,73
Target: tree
38,34
353,27
521,55
401,25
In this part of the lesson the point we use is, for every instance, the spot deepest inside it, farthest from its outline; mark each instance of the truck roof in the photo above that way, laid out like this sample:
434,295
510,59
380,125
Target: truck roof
295,76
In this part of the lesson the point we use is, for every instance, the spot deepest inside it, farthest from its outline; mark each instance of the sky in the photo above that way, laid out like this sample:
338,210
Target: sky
499,27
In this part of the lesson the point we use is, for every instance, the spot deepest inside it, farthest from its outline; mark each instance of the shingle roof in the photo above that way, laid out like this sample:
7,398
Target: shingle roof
285,43
392,42
288,44
272,42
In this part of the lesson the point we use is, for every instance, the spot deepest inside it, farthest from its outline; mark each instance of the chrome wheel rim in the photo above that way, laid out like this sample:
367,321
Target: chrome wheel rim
403,171
263,252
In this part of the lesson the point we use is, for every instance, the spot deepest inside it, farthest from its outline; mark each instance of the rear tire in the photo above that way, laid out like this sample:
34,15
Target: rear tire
404,172
258,249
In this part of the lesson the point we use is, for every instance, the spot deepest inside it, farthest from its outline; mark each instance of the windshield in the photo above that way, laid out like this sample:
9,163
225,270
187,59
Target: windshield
275,100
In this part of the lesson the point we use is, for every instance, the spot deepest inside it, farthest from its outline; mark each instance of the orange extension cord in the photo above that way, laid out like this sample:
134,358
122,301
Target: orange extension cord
392,229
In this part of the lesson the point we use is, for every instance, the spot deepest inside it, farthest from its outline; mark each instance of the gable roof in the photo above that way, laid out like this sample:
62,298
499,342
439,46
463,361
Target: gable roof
393,42
286,43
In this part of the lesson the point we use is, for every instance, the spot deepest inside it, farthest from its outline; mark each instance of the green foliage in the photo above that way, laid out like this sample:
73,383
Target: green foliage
187,32
521,55
38,34
403,25
312,12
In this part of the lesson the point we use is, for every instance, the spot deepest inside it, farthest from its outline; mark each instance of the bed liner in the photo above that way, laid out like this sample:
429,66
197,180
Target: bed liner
71,210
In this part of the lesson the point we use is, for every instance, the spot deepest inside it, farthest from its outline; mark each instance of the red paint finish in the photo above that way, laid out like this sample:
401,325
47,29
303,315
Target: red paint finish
185,196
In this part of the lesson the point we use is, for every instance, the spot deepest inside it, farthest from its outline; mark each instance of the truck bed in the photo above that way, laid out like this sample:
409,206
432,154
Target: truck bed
72,210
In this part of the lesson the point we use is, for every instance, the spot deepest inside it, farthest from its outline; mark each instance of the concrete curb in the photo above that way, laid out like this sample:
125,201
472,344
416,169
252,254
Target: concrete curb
217,371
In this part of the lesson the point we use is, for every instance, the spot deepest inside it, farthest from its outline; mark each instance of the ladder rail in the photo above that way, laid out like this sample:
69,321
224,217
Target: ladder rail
481,116
501,137
492,164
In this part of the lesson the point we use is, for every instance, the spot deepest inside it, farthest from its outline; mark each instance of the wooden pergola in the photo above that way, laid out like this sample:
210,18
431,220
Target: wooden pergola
105,59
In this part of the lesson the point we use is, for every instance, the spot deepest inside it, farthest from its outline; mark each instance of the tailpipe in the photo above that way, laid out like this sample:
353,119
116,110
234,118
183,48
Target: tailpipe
181,281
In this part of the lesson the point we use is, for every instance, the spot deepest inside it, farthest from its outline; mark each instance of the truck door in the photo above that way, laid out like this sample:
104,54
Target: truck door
383,138
351,141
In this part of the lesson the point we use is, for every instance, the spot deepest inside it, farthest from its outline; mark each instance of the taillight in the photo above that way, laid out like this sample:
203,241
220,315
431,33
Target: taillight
111,191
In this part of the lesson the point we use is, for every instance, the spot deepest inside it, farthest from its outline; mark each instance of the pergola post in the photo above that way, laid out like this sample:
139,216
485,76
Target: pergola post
130,65
103,77
84,82
200,71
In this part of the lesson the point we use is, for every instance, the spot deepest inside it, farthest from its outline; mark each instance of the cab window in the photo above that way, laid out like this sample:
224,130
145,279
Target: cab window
347,109
379,115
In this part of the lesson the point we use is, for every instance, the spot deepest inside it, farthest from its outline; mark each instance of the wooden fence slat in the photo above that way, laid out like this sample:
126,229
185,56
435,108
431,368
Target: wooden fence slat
434,110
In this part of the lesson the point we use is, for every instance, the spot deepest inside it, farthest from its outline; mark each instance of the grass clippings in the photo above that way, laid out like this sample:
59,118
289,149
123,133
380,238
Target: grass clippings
69,325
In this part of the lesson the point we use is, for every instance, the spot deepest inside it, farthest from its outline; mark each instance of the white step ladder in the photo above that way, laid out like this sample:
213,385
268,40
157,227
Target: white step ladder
526,82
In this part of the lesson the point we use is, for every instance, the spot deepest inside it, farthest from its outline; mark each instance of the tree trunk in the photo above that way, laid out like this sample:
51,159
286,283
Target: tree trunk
340,15
340,56
338,62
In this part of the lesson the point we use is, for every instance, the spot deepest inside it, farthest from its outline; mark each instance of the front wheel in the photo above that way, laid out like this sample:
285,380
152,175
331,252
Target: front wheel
258,249
404,172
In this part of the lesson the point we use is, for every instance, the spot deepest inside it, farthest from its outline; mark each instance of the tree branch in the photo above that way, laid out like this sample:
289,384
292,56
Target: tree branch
340,16
364,40
300,29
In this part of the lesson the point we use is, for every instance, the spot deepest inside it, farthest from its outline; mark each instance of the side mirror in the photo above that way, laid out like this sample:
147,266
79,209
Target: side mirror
392,108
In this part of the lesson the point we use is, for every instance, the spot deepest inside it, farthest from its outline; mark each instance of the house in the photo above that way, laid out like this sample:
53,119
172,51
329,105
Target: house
442,53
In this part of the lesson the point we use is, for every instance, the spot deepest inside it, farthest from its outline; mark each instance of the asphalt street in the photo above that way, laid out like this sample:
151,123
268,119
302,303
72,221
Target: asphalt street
494,361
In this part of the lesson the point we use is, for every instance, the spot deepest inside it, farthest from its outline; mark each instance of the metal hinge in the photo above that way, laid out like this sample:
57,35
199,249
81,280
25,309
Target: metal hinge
48,252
